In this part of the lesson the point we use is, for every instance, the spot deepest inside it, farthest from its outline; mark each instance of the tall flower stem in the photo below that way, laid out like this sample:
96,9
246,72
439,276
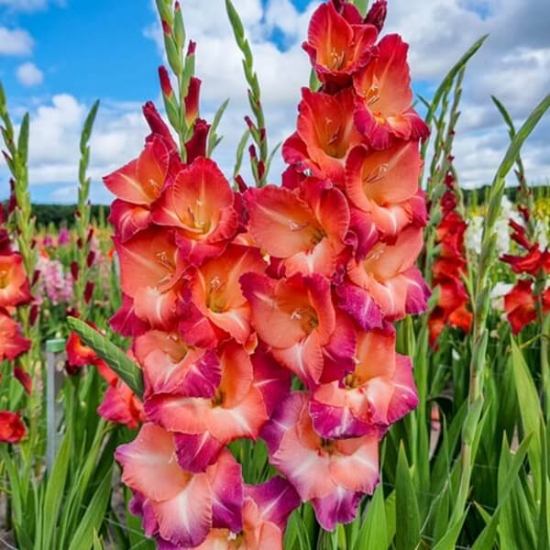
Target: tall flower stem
260,159
526,197
83,288
480,306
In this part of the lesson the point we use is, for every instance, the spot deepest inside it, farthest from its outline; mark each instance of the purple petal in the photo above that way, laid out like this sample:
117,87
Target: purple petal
339,507
405,397
271,379
227,492
196,452
333,422
418,292
360,305
203,377
276,499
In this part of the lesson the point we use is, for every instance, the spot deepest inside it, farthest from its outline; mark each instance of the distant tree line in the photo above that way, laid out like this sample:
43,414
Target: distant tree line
63,215
477,196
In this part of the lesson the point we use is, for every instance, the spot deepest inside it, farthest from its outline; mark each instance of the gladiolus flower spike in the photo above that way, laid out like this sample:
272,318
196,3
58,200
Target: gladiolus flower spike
229,294
14,292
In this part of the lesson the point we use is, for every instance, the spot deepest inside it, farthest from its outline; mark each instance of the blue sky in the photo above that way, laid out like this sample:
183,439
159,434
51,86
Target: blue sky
58,56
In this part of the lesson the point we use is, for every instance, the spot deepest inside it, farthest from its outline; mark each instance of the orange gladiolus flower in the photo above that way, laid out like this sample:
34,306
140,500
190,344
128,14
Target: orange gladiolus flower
200,204
14,284
378,392
12,343
151,266
384,111
307,231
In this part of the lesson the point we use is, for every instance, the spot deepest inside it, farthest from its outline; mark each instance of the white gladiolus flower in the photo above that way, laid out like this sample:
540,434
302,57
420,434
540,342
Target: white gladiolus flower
497,295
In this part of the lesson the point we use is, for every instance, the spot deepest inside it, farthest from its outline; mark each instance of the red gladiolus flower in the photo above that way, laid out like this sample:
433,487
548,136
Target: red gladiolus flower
12,429
519,305
384,110
338,49
449,268
120,404
326,134
12,343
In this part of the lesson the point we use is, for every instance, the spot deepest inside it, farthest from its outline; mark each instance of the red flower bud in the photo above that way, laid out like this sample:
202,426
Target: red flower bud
165,83
74,271
22,376
88,292
377,14
90,259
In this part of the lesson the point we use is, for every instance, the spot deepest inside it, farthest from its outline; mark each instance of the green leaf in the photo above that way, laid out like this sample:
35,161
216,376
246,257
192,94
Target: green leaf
128,371
83,537
407,514
374,531
54,492
213,139
448,80
448,542
23,141
486,540
521,135
530,412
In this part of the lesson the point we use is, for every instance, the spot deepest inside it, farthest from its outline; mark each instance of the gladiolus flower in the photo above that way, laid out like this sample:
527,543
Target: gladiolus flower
237,409
307,231
449,268
12,343
12,429
326,134
519,305
151,266
388,275
338,49
266,508
378,392
14,284
384,184
216,293
180,507
201,206
332,474
384,110
295,317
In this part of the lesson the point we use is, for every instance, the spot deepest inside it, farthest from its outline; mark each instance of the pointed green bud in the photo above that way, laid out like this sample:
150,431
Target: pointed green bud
164,10
179,28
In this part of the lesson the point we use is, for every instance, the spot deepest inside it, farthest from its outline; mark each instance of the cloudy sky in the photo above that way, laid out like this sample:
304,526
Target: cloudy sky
58,56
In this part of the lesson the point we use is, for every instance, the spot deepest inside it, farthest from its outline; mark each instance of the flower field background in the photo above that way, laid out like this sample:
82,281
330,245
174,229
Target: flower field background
352,354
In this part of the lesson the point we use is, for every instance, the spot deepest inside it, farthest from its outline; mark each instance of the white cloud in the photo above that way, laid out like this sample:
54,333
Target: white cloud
29,75
15,42
514,66
29,5
118,136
